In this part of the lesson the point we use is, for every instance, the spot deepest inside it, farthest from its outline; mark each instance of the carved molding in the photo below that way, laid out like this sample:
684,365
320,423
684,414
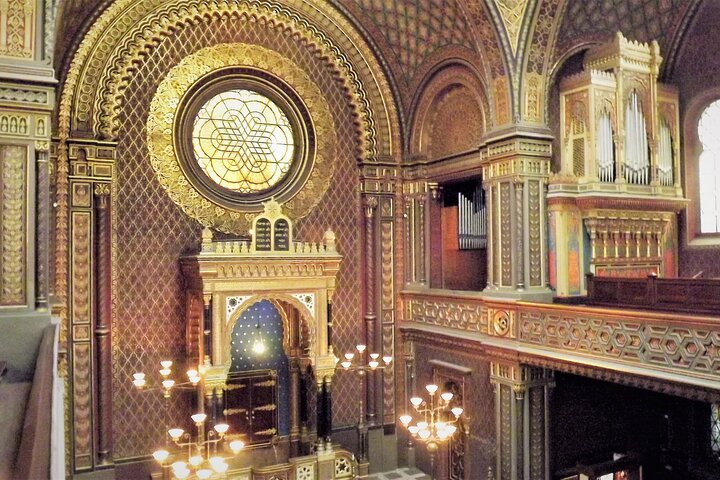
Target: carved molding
13,230
666,348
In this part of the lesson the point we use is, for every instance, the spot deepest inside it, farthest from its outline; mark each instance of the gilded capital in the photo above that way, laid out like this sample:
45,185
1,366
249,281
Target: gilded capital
370,203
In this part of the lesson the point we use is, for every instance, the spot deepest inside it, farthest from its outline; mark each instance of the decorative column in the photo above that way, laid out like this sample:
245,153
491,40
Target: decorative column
415,194
324,415
294,406
207,329
42,224
103,320
522,419
89,296
515,173
370,383
381,182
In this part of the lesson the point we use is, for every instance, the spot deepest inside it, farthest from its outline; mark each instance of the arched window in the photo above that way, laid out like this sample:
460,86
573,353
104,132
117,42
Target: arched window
709,168
701,147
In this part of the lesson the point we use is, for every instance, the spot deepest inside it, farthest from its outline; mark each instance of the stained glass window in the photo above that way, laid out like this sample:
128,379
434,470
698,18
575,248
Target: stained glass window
709,172
243,141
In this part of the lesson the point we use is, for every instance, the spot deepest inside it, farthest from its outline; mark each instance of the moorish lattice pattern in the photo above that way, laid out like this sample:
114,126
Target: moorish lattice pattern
414,29
642,20
149,308
243,141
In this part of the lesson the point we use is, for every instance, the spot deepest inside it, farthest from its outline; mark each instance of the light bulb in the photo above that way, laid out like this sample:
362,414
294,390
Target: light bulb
259,346
451,429
405,420
422,425
416,401
447,396
346,364
373,364
192,373
349,356
165,372
139,379
387,359
217,464
424,434
198,418
221,428
457,411
161,455
432,388
166,363
181,473
194,380
179,465
236,446
175,433
442,434
413,429
195,460
215,461
168,384
374,356
204,473
361,348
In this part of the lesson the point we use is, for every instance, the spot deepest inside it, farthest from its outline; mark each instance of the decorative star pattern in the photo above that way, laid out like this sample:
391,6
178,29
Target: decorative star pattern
243,141
262,320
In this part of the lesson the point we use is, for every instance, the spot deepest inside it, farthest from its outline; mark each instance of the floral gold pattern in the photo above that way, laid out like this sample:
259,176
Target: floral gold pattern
163,112
12,221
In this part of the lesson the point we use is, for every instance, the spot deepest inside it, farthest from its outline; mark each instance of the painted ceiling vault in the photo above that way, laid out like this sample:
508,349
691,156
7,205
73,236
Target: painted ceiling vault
503,40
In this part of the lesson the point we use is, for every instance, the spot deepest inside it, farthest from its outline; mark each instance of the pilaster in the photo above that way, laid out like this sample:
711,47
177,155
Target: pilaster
522,420
516,167
91,229
381,187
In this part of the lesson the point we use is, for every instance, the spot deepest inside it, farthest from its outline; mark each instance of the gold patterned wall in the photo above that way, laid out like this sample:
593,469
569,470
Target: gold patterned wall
17,28
152,232
13,219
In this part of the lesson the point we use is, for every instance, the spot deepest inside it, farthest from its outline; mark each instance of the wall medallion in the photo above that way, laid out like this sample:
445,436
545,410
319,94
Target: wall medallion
234,125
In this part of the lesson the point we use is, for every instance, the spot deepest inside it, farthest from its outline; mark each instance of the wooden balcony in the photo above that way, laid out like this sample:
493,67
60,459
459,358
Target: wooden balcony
678,352
688,295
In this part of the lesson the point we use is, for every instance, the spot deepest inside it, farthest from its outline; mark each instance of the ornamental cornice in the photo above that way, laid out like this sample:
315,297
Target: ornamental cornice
271,268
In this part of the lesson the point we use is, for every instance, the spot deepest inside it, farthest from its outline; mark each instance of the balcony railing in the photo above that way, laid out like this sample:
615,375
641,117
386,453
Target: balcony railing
698,296
679,348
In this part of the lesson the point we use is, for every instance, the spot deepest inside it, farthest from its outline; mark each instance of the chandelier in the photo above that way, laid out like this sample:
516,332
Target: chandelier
436,423
362,367
204,454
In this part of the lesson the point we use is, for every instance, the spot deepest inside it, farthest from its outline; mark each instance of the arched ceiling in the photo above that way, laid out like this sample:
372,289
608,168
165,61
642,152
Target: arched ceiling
594,21
503,39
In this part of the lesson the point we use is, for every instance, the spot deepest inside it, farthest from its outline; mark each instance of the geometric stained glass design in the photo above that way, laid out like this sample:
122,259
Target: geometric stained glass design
243,141
709,168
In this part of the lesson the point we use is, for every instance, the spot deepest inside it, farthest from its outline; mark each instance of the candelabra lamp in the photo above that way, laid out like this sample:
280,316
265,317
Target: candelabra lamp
362,367
436,423
190,456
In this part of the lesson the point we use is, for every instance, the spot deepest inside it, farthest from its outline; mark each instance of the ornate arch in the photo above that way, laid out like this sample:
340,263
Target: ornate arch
119,38
431,92
307,319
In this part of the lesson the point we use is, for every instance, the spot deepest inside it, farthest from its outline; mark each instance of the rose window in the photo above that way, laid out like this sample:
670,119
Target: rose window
243,141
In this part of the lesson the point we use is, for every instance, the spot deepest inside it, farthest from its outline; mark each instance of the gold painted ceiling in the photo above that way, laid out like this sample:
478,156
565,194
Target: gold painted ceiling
413,36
